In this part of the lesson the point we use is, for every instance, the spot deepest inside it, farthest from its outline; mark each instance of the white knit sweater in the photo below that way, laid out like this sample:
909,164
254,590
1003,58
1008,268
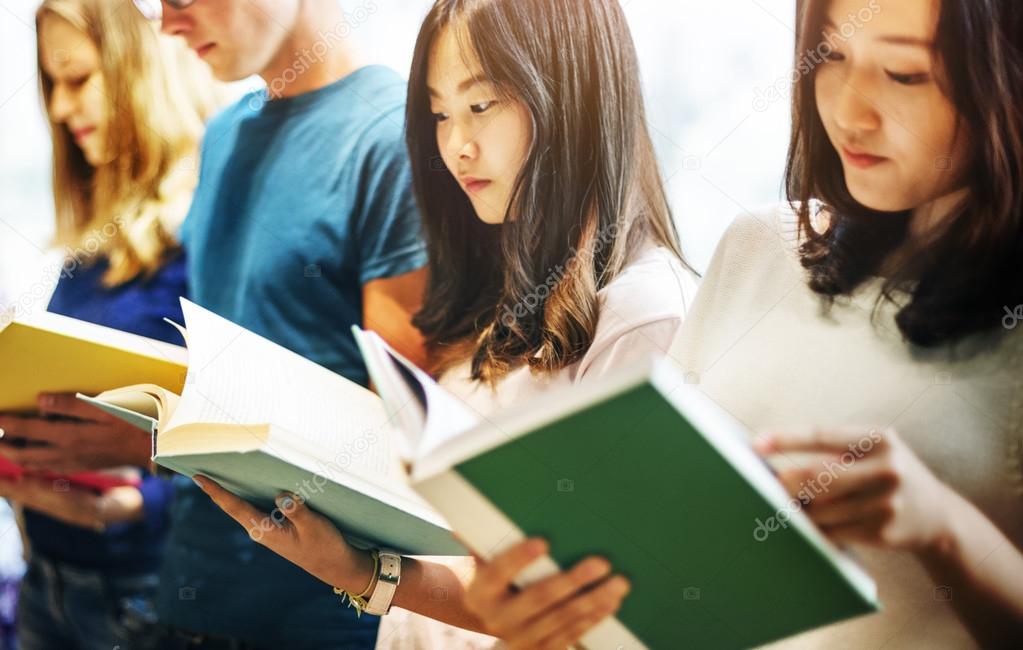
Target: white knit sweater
759,343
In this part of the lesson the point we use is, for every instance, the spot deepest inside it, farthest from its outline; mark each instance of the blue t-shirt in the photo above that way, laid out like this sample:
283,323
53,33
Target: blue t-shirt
138,307
301,201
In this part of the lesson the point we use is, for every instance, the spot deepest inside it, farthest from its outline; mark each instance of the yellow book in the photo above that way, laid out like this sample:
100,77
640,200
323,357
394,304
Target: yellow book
47,353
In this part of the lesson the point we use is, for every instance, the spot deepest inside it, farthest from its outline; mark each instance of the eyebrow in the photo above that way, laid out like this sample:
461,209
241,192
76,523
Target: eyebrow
465,85
893,39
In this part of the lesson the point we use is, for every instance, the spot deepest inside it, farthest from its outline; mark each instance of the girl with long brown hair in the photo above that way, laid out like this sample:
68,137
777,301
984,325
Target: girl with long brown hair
553,254
868,332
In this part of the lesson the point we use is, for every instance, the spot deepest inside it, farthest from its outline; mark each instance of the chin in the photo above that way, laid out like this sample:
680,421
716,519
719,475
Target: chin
93,158
487,215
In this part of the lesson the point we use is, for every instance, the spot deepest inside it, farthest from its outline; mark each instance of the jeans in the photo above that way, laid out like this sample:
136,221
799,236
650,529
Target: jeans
68,608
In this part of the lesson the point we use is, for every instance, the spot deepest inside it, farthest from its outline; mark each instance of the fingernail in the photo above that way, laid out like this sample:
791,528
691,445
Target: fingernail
621,585
597,567
285,502
198,481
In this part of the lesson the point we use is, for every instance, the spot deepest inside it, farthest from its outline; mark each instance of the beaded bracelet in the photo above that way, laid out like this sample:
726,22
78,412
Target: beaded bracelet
359,602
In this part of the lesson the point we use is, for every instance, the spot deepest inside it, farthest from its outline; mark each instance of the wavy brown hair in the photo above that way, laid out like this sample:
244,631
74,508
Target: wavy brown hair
588,196
961,280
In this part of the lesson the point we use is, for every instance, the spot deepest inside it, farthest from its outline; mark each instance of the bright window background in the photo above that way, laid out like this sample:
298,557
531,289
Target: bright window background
703,64
721,151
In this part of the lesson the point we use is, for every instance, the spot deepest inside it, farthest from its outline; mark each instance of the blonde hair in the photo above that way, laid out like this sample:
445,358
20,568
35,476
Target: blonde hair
159,96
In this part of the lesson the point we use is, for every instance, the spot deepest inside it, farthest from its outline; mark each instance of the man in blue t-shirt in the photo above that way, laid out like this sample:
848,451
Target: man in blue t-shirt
303,224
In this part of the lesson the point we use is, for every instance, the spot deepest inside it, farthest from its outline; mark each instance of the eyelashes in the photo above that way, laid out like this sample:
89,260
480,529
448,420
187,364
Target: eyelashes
908,79
903,79
477,109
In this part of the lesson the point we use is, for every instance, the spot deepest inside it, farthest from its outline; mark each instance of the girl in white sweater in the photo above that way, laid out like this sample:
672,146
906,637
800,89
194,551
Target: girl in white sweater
880,314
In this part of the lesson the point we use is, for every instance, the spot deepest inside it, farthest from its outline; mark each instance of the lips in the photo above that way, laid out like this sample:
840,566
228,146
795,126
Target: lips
475,185
82,133
203,50
861,159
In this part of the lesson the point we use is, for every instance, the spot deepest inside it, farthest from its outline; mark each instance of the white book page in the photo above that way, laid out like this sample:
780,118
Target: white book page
403,405
446,417
239,378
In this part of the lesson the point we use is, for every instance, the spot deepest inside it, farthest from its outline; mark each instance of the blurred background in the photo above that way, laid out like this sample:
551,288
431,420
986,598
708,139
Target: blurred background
708,68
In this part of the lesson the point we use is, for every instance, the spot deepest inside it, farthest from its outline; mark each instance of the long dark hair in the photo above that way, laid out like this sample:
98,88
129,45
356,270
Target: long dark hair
961,280
588,195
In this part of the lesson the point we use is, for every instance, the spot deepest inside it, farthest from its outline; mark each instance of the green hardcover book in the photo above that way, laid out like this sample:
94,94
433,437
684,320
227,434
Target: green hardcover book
260,419
643,469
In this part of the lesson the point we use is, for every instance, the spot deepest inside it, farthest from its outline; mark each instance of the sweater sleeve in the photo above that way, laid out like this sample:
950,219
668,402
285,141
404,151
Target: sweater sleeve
157,494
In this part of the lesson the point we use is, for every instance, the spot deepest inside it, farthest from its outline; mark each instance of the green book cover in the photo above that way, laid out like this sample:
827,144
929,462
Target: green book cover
631,472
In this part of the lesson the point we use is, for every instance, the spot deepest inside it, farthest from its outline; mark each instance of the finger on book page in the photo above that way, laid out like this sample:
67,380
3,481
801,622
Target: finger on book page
238,509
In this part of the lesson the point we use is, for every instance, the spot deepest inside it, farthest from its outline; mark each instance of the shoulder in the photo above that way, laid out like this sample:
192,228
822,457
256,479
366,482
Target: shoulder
641,310
230,117
755,267
373,102
754,244
775,227
653,286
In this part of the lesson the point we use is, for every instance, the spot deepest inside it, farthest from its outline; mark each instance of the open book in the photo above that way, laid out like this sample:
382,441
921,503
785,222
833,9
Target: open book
260,419
51,353
646,471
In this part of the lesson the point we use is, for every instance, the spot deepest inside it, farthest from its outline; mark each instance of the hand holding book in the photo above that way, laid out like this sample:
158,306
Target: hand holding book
68,436
299,535
878,491
552,613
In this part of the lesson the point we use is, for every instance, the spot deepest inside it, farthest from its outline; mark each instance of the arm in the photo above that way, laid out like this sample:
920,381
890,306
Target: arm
888,498
477,596
388,307
76,507
984,570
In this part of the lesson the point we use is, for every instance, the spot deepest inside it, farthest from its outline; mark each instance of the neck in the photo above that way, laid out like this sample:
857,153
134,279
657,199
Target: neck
924,221
315,54
927,218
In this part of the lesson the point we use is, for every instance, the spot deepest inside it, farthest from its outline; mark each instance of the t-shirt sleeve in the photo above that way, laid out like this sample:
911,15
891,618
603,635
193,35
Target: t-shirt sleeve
388,228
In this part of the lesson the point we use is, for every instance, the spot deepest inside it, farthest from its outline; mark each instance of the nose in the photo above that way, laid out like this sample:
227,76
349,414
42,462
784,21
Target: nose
855,109
462,143
62,105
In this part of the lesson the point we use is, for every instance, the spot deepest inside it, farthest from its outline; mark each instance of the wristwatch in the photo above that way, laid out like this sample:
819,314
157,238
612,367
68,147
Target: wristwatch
388,577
